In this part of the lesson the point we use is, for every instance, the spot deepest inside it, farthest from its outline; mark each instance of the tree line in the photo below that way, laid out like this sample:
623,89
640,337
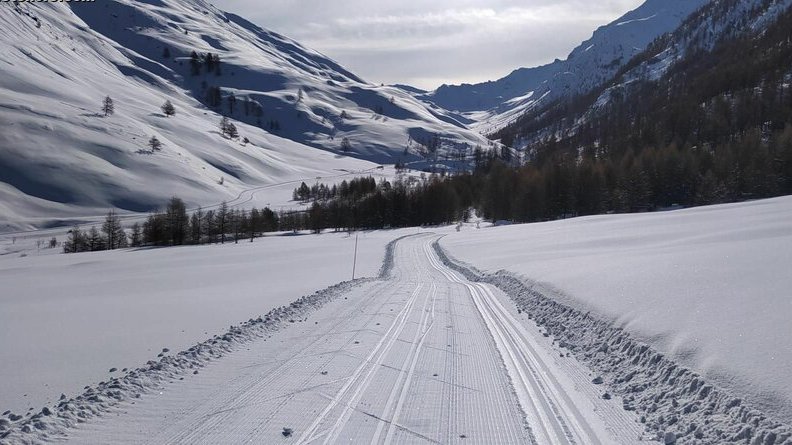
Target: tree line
175,226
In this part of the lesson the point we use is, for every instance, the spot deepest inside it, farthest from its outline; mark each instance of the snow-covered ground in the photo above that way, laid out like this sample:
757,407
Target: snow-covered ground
709,286
65,320
419,355
61,158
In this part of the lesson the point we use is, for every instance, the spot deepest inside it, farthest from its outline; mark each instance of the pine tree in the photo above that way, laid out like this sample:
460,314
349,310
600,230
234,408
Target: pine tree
302,193
346,145
166,53
95,241
233,133
108,108
76,241
168,108
196,226
136,237
154,144
254,223
209,229
221,220
114,234
228,128
176,221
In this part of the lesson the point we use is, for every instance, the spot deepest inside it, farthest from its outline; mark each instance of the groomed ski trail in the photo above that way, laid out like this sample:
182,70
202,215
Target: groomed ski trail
425,356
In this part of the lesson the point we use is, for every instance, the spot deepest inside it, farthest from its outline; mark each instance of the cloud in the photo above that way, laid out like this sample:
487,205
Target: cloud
442,42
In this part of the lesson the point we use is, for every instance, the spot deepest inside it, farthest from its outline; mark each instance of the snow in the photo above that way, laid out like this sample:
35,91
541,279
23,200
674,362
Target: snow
593,62
65,320
708,286
405,357
61,159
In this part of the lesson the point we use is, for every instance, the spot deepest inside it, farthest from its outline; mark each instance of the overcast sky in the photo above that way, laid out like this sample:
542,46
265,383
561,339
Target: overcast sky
428,43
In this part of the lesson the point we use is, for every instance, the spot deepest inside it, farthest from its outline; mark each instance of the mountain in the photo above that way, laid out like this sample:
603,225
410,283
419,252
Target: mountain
494,104
299,114
705,57
702,116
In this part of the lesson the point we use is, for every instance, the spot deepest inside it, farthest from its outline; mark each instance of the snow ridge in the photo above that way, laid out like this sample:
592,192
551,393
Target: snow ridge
51,423
674,402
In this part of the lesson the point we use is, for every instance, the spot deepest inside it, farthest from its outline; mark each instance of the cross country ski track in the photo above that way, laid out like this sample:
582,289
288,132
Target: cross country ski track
424,356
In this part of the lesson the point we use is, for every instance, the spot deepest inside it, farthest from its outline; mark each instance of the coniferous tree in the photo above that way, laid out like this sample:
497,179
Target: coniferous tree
346,145
114,234
254,226
136,236
221,221
224,124
154,144
154,232
196,226
95,240
108,107
209,229
76,242
176,222
166,53
168,109
228,128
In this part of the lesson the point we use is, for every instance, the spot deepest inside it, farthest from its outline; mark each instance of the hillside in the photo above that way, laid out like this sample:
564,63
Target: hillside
299,114
687,122
494,104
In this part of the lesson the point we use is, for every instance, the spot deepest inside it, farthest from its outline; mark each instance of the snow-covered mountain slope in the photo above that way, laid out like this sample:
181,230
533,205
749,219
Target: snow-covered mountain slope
713,23
494,104
666,63
61,158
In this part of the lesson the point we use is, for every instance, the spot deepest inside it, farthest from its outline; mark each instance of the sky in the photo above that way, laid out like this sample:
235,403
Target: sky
429,43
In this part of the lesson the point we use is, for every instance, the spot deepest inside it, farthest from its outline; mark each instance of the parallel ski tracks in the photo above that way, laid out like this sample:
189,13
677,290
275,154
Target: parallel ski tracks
550,412
423,357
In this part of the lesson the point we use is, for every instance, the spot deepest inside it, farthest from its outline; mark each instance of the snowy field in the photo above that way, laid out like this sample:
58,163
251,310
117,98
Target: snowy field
710,285
419,355
65,320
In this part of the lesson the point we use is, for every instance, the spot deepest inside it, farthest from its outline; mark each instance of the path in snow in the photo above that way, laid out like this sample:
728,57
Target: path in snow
423,357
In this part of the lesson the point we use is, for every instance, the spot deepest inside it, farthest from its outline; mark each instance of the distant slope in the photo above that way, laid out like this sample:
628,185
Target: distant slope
726,50
60,158
496,103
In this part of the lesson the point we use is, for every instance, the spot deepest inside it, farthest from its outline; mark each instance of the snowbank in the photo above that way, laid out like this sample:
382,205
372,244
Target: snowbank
65,320
709,287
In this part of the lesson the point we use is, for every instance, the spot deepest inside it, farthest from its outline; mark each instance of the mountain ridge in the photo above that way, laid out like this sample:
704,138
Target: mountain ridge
494,104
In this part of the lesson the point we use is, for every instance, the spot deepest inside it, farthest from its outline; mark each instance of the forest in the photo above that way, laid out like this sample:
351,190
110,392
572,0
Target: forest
713,129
